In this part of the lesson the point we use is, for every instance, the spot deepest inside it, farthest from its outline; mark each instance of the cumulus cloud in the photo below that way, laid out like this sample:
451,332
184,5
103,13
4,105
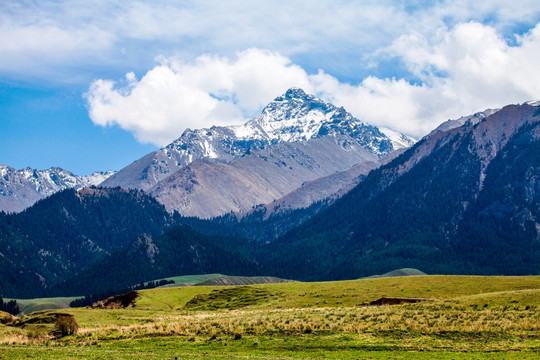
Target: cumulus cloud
461,70
470,67
175,95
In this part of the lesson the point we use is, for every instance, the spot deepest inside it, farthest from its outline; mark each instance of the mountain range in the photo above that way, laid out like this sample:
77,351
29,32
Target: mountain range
460,201
20,189
350,201
297,138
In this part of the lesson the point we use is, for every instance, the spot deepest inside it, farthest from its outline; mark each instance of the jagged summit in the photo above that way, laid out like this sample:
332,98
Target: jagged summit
296,98
295,94
464,120
293,116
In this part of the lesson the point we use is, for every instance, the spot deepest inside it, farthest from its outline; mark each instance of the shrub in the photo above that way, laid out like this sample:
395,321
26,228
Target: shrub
65,325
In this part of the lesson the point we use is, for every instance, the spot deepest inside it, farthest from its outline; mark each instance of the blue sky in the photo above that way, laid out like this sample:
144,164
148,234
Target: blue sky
95,85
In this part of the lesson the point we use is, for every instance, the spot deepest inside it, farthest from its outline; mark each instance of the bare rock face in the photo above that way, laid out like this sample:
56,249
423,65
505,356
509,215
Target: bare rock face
207,188
145,246
296,138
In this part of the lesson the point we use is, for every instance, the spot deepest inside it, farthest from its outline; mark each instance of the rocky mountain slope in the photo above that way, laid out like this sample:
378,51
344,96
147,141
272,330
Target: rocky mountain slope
207,188
296,138
20,189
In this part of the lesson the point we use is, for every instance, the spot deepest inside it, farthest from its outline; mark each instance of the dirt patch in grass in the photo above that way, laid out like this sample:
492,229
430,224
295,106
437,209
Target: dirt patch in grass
397,301
118,301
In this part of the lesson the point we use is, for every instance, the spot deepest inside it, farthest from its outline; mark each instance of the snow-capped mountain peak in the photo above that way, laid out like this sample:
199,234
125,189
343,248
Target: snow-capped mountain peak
291,117
294,117
398,139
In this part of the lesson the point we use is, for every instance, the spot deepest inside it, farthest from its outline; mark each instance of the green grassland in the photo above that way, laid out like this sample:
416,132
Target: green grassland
469,317
27,306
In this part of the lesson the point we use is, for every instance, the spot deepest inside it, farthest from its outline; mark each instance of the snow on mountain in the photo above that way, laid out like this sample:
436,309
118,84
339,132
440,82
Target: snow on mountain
297,116
47,182
399,140
22,188
292,117
96,178
469,120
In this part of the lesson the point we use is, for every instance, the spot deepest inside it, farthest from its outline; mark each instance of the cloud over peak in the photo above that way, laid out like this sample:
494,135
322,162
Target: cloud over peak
175,95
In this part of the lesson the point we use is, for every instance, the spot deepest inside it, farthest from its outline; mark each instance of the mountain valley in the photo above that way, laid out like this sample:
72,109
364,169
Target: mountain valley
319,196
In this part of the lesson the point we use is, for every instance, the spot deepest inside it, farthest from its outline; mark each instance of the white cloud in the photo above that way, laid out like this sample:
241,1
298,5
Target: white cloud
57,39
462,70
471,67
210,91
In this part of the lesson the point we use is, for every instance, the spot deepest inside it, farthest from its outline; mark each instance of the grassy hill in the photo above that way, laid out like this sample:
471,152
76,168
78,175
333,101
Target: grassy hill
399,272
28,306
241,280
468,317
338,293
218,279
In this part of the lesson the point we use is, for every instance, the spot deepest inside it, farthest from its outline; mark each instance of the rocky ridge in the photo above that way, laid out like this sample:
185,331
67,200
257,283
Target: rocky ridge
20,189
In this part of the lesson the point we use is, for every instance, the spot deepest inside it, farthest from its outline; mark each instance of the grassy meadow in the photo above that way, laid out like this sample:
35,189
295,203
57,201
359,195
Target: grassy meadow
467,317
28,306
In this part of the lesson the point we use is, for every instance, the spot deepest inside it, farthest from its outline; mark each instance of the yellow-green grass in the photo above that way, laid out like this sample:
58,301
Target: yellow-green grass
5,317
28,306
469,317
339,293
